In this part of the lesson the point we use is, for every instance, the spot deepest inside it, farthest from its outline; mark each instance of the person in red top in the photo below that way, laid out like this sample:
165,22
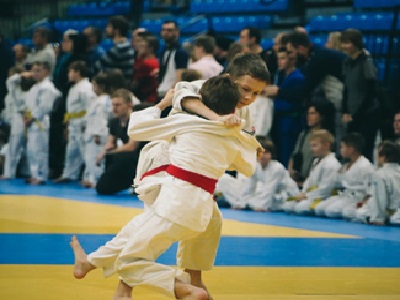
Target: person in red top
145,68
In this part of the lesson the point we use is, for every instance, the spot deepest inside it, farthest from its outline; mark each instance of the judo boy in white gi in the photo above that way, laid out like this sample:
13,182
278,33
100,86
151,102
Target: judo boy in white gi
251,75
354,179
14,111
265,190
96,132
323,175
79,97
200,152
39,103
384,204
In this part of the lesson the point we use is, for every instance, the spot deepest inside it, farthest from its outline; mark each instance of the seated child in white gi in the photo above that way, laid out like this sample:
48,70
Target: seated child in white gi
265,190
200,152
384,204
354,179
323,175
96,132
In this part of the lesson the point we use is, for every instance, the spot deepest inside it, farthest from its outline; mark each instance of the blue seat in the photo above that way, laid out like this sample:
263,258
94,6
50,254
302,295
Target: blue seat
121,8
375,3
267,43
183,23
235,23
227,6
317,23
319,40
152,25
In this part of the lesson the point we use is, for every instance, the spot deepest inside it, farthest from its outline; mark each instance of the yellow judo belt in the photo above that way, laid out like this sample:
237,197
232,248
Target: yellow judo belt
28,115
74,115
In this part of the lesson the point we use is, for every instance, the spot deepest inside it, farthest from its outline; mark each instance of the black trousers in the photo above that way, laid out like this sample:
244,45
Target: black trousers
119,174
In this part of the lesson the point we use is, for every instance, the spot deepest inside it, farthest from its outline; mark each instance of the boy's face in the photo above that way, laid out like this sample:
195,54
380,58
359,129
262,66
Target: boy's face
96,88
265,158
39,73
73,76
249,88
345,151
381,160
318,148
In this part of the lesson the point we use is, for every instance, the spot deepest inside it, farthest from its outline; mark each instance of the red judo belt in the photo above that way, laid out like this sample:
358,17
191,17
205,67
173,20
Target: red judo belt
155,171
199,180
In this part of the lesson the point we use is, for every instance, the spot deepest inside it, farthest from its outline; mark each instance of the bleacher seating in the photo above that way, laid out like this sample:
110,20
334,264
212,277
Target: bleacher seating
361,21
375,3
79,25
103,8
218,23
237,6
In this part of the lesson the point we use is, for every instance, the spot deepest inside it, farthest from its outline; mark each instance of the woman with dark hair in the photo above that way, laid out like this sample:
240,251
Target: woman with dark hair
320,115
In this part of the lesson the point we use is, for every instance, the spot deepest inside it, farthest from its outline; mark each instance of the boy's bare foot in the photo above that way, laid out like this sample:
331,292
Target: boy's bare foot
196,280
186,291
82,266
124,292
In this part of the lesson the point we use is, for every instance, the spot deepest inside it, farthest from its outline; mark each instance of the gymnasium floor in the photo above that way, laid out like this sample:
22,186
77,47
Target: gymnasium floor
261,256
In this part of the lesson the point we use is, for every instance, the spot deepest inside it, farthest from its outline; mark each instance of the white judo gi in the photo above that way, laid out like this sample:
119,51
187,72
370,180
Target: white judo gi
78,99
96,120
266,189
261,111
39,103
204,150
384,202
14,110
355,181
199,253
318,186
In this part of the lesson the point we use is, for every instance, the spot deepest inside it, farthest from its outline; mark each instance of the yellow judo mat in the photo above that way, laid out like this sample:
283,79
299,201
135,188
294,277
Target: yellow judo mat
25,218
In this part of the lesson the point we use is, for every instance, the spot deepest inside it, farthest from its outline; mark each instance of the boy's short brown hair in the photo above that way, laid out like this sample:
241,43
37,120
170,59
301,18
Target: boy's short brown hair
190,75
323,135
125,94
268,146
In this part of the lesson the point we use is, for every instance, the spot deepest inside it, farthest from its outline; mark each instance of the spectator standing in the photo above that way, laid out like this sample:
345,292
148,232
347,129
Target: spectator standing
146,65
205,62
121,54
21,53
94,51
287,107
6,62
173,59
360,104
43,50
